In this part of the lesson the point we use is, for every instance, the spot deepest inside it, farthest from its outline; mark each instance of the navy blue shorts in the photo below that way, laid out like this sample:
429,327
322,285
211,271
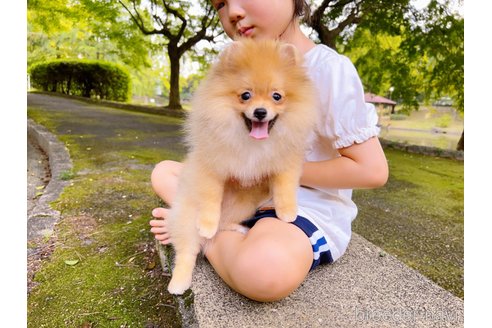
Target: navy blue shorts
321,252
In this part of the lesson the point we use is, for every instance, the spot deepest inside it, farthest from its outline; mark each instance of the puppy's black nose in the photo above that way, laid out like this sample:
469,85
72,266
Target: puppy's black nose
260,113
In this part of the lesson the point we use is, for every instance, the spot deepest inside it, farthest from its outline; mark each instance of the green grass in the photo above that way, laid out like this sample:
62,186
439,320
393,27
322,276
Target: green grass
418,216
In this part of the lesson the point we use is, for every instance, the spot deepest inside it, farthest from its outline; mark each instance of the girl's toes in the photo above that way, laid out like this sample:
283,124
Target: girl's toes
158,229
162,236
163,239
160,212
165,242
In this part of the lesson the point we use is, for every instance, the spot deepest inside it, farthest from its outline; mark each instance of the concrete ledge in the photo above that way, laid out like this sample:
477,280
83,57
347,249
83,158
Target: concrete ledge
42,218
365,288
458,155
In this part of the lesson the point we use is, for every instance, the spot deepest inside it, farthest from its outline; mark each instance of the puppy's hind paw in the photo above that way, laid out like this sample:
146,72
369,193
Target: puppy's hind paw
178,286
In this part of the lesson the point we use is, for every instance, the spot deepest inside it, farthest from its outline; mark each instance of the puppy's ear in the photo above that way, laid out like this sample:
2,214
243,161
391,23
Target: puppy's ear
229,52
289,53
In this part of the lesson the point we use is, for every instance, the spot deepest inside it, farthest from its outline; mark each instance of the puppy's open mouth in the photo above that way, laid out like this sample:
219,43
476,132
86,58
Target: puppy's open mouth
259,130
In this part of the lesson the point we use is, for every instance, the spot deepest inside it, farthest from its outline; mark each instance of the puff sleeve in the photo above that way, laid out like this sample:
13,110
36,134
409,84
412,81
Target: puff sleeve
346,117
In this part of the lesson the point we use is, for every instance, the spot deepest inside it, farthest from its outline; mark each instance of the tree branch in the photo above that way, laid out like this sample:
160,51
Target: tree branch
177,14
137,19
207,21
351,19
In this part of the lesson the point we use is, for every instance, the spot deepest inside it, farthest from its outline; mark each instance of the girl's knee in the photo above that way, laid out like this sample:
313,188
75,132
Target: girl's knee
266,274
164,180
165,169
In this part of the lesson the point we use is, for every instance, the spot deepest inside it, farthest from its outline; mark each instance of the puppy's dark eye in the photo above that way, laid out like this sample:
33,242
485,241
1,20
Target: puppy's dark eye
246,95
276,96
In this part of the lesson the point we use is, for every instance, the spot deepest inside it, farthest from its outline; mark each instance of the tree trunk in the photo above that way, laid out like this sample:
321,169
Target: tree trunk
174,97
461,143
326,38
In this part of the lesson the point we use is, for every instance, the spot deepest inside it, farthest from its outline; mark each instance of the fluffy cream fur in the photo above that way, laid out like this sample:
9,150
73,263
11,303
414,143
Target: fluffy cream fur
228,173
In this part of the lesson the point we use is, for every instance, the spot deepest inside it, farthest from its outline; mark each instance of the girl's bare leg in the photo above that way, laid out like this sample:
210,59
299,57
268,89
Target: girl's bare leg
266,264
164,179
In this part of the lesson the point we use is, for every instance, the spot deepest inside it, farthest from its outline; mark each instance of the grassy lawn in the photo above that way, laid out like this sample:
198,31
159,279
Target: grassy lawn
418,216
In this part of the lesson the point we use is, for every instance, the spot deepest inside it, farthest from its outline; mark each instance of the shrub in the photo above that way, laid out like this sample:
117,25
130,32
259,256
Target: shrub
84,78
398,117
444,121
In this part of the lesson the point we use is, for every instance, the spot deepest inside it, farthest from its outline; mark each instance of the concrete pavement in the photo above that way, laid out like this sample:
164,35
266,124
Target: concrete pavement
364,288
41,218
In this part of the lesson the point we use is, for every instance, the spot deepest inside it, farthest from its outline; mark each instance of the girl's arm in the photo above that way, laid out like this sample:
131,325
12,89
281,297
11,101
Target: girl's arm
361,165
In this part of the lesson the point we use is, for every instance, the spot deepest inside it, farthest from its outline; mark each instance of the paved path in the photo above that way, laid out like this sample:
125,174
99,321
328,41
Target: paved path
101,129
105,124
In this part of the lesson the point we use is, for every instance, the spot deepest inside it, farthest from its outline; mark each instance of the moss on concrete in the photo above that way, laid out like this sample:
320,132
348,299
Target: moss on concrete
104,270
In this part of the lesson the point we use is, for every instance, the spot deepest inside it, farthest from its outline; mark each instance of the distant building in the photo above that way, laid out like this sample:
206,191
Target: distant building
380,102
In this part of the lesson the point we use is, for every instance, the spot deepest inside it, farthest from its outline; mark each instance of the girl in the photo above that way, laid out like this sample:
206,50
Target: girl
273,258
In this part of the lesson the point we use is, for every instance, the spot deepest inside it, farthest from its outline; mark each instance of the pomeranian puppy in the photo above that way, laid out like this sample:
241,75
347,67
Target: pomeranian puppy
247,133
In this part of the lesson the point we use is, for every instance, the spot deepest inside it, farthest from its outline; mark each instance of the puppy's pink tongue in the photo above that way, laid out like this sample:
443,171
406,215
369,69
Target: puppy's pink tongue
259,130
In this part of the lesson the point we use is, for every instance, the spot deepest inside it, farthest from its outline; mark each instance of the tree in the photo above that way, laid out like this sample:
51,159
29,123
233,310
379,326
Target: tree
418,52
382,64
335,19
99,30
441,36
181,24
83,29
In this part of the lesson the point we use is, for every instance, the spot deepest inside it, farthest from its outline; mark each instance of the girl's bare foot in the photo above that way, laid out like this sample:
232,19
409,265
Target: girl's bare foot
159,225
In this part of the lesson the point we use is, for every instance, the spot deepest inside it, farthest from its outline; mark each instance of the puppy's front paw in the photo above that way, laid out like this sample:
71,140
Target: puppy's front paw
286,213
178,285
207,229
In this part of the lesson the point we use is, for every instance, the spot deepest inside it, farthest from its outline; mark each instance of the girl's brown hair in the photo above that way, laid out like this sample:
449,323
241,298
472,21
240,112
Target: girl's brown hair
301,8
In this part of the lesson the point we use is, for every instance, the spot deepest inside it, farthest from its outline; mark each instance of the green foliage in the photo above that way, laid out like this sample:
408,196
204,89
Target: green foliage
444,121
97,30
381,65
98,79
419,54
335,21
440,36
67,175
398,117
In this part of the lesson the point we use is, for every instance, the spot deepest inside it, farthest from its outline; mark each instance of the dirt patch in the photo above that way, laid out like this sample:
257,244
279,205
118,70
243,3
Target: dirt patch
83,225
38,252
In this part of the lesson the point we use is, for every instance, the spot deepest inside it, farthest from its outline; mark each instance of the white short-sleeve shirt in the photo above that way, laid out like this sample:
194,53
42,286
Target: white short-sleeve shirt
344,119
